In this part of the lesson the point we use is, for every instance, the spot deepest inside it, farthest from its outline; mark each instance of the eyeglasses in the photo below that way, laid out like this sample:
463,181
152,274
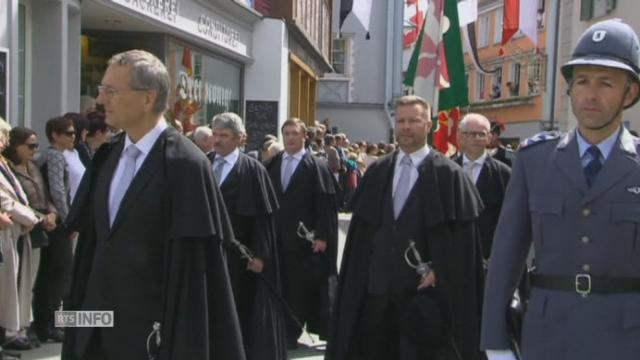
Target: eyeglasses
475,134
33,146
110,91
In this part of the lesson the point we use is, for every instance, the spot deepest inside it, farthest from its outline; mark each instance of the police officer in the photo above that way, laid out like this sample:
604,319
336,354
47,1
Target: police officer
576,196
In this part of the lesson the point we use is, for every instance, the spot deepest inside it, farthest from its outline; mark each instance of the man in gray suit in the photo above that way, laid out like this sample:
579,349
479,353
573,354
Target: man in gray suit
576,196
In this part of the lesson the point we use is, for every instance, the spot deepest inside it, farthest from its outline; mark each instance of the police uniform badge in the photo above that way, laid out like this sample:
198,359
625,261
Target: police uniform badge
540,138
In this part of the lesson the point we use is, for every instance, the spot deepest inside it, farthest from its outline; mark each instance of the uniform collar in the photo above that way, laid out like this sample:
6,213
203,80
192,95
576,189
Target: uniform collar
605,146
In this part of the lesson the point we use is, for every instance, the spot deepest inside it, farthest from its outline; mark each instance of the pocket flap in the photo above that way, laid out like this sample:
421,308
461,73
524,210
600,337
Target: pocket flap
631,313
626,211
546,204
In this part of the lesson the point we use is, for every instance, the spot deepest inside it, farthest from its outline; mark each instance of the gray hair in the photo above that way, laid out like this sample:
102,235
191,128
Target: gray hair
474,116
147,73
201,133
229,121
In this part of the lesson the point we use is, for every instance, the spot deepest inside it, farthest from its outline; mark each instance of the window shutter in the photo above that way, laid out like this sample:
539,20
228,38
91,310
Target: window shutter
586,9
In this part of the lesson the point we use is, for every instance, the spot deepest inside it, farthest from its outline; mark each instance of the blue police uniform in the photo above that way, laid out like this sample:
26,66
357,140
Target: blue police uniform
587,251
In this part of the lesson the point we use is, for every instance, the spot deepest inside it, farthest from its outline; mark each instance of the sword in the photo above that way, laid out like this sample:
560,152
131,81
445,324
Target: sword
245,253
422,268
304,233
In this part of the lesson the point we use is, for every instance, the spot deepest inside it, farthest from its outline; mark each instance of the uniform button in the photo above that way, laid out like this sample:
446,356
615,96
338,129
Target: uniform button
586,211
585,240
586,268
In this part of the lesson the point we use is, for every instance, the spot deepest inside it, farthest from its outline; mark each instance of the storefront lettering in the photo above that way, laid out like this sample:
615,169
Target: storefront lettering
218,31
164,9
202,91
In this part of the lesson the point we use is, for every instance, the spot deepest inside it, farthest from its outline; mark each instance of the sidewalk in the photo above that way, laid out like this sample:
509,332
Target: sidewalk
313,351
51,351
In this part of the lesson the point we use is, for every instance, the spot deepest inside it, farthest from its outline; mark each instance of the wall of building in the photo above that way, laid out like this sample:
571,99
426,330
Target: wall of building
267,78
571,27
359,121
355,101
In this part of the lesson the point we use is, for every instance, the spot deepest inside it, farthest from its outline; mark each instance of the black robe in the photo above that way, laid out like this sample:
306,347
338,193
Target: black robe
310,198
161,260
491,184
451,206
251,204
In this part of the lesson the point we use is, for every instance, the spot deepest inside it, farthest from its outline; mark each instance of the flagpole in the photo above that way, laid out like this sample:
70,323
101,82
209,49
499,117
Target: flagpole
552,64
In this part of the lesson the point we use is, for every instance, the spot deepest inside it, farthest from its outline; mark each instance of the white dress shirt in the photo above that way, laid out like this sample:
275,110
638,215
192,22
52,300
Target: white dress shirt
416,158
229,162
144,145
76,171
477,165
296,160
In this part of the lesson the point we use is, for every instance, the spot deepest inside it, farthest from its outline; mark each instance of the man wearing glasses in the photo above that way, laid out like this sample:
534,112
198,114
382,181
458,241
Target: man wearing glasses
151,223
488,174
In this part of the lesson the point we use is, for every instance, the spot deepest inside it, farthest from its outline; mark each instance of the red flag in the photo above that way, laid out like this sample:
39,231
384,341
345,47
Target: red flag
510,21
186,60
412,2
411,37
441,137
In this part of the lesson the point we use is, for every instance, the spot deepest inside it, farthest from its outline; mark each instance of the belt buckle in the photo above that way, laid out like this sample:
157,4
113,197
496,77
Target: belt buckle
583,284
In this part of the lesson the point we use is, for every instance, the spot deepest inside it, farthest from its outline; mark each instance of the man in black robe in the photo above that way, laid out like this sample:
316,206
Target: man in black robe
496,149
490,175
251,204
152,224
307,195
383,308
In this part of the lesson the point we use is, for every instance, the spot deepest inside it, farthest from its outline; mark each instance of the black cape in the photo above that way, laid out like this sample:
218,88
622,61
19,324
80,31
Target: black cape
318,204
198,321
251,203
451,207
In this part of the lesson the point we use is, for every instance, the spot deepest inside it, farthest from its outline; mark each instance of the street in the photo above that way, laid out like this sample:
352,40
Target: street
310,351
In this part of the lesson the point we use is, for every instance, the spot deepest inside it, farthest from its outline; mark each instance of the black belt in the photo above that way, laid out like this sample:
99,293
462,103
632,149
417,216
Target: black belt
584,284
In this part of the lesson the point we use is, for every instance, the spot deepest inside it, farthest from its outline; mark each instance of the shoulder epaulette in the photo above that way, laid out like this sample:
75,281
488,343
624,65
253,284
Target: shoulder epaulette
540,138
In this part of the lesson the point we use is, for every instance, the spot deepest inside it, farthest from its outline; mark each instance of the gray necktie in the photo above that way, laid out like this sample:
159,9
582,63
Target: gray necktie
288,171
131,153
404,185
217,171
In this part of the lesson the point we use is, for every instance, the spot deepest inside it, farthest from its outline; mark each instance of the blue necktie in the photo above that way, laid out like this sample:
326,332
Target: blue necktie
288,171
217,171
131,153
404,185
593,167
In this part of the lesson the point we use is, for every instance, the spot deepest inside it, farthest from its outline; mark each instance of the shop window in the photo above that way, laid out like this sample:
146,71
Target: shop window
536,76
497,34
339,55
514,83
496,86
480,86
590,9
483,31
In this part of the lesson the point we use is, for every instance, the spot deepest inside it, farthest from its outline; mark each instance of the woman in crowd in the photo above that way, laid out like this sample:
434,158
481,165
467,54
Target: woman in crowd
23,144
16,220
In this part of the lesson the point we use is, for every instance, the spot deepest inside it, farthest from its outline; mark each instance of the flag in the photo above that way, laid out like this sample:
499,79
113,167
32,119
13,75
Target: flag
186,60
519,15
360,8
454,91
423,73
447,133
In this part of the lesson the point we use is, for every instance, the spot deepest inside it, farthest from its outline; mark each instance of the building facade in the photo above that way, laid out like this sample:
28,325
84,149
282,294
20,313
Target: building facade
575,17
357,97
513,92
222,55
